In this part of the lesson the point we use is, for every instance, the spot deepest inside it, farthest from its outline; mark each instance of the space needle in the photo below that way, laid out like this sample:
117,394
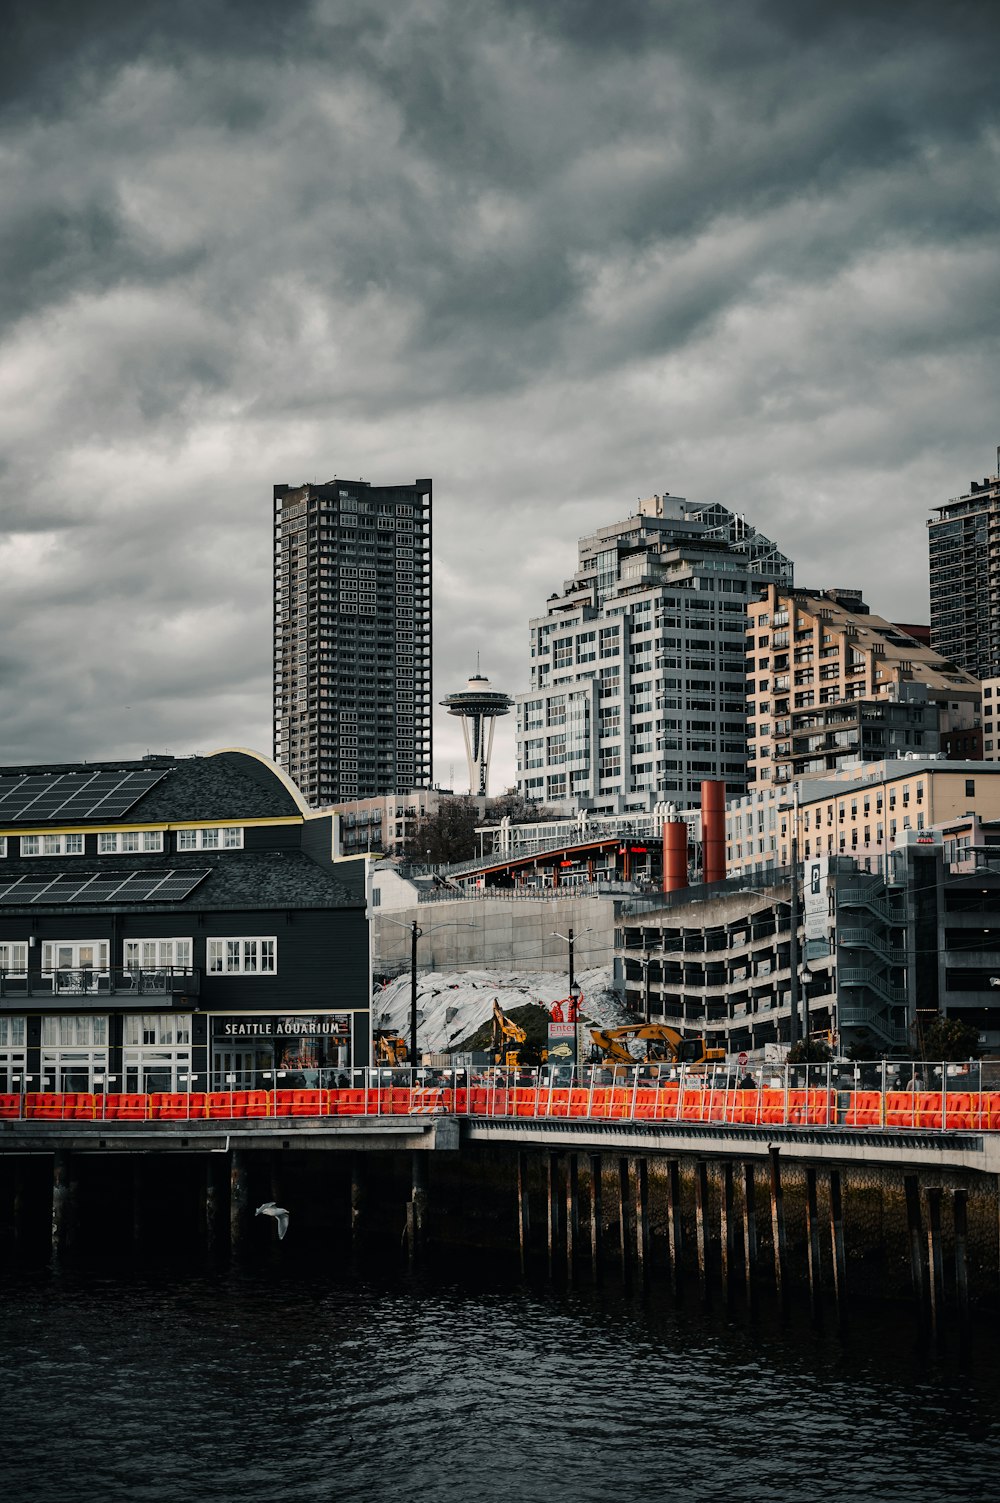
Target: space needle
478,707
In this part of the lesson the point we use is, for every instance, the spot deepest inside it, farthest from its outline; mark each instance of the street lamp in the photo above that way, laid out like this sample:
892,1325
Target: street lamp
415,934
570,939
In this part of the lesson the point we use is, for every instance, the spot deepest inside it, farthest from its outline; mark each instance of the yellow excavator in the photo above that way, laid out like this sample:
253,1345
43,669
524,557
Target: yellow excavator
663,1045
390,1049
507,1038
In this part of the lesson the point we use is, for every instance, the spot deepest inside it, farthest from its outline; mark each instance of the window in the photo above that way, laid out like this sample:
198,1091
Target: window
157,1052
51,845
242,957
110,843
76,966
155,954
13,958
74,1052
213,838
13,1052
970,787
3,845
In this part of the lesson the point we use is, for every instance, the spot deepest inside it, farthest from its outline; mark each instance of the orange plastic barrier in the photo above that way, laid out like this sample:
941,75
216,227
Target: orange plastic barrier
45,1104
348,1103
219,1104
958,1110
693,1106
176,1105
525,1101
81,1107
10,1106
863,1109
900,1109
928,1109
126,1107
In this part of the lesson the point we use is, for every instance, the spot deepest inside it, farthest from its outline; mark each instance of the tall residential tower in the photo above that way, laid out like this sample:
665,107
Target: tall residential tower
637,667
352,638
965,578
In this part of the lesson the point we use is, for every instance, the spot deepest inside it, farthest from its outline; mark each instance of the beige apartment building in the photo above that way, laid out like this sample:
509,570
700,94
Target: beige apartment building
861,811
829,683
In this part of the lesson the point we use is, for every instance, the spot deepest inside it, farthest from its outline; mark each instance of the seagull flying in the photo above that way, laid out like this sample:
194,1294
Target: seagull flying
270,1208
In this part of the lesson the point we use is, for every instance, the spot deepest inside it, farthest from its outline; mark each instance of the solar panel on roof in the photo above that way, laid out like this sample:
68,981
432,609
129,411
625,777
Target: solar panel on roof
26,890
84,795
178,885
100,887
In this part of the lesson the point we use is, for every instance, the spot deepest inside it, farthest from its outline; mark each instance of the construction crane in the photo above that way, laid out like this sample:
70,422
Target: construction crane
662,1045
507,1038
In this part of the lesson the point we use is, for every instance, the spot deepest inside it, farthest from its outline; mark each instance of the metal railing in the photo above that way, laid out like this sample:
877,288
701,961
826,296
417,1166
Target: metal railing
886,1096
83,981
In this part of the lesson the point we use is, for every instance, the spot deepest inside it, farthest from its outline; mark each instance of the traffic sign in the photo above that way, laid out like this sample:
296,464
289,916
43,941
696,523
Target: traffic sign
743,1059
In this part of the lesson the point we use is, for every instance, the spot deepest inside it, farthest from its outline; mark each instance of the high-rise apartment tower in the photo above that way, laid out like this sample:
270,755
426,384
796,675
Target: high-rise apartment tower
965,578
352,638
637,667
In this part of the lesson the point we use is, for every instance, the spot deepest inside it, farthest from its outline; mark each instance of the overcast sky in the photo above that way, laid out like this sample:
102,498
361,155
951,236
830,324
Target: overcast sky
556,254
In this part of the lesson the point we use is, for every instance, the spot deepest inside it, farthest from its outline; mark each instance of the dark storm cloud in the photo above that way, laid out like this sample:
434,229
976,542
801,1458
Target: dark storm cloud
555,255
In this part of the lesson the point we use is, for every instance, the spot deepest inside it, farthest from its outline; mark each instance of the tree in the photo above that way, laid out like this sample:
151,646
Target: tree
447,836
809,1052
949,1038
520,810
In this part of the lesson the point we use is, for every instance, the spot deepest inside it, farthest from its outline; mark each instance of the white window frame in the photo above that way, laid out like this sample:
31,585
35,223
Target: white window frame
243,955
85,1055
129,842
157,954
68,975
14,957
53,845
3,845
211,838
13,1052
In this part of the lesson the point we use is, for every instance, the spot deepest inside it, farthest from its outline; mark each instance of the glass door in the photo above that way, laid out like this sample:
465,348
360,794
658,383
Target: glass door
241,1069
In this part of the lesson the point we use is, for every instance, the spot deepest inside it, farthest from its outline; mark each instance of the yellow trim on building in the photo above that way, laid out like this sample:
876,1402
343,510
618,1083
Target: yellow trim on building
173,824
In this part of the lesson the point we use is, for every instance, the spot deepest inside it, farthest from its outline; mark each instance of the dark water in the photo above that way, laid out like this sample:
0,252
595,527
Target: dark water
314,1384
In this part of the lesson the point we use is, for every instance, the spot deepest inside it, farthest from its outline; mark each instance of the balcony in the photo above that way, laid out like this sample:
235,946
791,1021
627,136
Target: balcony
82,982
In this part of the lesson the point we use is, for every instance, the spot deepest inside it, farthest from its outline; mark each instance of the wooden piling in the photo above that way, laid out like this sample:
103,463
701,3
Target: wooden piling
211,1198
749,1229
239,1202
523,1209
572,1214
960,1215
726,1226
812,1233
701,1213
935,1259
778,1225
62,1203
837,1247
596,1216
675,1229
911,1189
357,1200
552,1186
641,1188
416,1211
623,1215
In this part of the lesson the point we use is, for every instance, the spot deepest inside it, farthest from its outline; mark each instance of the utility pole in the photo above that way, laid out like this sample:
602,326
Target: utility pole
571,977
793,920
414,936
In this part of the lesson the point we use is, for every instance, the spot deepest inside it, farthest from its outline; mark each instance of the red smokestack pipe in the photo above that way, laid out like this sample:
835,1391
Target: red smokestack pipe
675,854
713,831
